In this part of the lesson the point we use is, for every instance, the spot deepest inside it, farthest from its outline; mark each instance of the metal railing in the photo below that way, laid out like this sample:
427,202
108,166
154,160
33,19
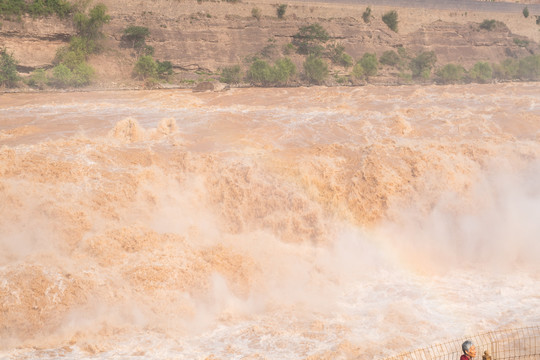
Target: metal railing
522,343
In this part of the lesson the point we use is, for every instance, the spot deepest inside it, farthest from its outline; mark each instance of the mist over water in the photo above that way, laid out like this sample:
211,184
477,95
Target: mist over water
304,223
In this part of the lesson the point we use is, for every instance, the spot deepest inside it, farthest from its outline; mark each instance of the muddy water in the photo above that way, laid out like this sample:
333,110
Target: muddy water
305,223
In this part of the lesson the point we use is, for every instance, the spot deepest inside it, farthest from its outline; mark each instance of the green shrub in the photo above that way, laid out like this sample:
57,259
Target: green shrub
83,45
8,69
537,19
281,10
38,79
37,8
145,67
529,68
391,20
491,25
366,66
422,64
260,73
135,36
366,16
12,7
341,79
164,69
507,69
231,74
369,64
498,71
63,76
61,8
270,50
316,69
72,58
521,42
336,53
403,53
309,39
481,72
358,71
82,75
451,74
346,60
288,49
526,12
405,77
89,26
76,53
390,58
283,70
147,50
256,13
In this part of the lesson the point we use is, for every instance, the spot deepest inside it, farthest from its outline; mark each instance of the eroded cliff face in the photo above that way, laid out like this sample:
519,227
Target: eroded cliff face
208,36
466,44
34,41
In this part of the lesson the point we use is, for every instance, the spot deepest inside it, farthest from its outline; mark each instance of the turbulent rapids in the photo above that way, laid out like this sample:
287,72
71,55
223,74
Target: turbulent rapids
306,223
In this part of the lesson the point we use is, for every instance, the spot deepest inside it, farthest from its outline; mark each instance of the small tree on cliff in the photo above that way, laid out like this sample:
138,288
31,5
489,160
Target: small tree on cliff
451,74
390,58
422,64
309,39
481,72
145,67
283,70
135,36
62,8
231,74
391,20
366,15
336,53
369,64
281,9
89,26
63,76
256,13
316,69
8,69
529,68
260,73
358,71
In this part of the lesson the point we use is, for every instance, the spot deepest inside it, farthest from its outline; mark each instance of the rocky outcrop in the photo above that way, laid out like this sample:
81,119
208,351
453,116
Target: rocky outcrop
34,41
210,86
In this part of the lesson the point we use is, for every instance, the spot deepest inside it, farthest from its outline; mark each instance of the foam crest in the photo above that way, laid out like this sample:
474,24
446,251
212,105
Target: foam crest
129,130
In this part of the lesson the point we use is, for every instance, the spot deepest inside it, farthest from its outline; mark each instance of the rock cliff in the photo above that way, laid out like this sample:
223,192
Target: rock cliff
199,38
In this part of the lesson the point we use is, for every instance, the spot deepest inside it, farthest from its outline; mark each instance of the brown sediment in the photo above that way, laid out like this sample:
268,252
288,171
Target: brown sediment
181,224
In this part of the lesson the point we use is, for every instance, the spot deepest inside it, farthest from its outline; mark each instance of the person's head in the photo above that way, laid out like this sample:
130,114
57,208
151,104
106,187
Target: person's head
469,348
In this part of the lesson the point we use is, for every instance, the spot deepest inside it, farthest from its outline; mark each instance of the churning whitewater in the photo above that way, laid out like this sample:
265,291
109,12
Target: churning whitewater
301,223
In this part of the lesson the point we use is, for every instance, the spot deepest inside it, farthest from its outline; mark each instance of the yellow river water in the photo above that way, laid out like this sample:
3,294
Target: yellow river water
301,223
